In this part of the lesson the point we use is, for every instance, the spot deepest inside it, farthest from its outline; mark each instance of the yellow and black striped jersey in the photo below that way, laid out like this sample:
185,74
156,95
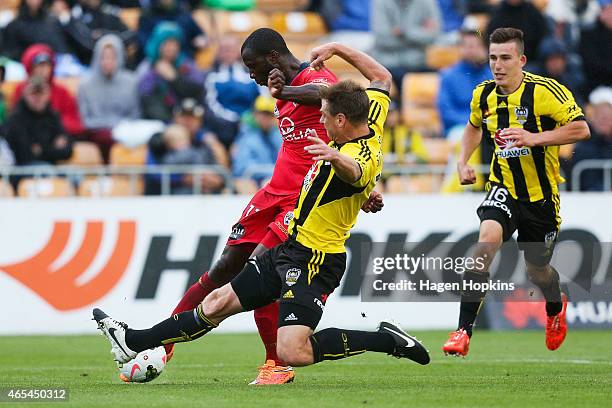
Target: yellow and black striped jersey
539,104
328,207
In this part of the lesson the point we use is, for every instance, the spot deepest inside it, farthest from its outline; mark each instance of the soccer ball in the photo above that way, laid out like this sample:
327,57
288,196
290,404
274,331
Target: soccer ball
145,367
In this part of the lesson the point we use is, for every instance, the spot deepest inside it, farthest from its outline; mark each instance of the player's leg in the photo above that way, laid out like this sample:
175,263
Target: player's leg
496,226
243,240
537,237
249,290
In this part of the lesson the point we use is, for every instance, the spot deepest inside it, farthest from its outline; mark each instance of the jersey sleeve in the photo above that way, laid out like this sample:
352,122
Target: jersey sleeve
379,108
360,151
475,111
557,102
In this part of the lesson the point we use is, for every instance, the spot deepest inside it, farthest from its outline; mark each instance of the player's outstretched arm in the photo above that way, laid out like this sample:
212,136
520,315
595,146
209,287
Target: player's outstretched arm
469,143
377,74
346,167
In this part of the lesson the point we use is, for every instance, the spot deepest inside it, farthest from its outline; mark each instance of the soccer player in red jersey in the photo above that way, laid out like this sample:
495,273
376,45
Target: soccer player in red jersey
264,222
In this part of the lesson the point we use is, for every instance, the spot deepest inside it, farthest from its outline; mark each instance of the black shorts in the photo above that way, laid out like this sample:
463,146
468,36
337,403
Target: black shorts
302,278
537,222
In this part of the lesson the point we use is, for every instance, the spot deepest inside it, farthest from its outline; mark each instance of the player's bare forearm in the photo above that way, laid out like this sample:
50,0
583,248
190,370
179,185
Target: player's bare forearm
375,72
570,133
304,95
469,143
346,168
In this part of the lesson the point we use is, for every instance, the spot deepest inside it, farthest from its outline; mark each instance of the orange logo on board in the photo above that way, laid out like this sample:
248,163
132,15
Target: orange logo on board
59,286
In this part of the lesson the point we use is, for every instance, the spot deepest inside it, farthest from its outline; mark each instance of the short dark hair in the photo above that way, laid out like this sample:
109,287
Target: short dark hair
349,98
506,34
265,40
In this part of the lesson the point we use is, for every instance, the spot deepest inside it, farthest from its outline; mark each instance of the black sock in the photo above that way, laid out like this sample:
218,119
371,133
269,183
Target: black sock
334,344
181,327
471,299
552,294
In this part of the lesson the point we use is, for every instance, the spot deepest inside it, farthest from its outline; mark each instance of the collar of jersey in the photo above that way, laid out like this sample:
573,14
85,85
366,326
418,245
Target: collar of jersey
302,67
369,135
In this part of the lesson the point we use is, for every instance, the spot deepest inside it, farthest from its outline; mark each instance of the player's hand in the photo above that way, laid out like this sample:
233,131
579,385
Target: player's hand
374,203
518,136
276,82
320,54
319,149
467,175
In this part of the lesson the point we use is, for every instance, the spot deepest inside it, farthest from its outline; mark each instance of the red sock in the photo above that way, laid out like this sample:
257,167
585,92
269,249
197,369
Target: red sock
193,297
266,318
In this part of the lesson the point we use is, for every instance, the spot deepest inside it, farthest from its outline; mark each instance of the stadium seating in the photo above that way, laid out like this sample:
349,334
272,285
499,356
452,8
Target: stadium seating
130,17
280,5
422,183
85,154
114,186
121,155
419,95
45,187
6,190
239,23
441,56
300,26
438,150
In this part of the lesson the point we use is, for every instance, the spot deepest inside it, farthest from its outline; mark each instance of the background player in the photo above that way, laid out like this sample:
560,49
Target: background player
309,265
527,117
265,220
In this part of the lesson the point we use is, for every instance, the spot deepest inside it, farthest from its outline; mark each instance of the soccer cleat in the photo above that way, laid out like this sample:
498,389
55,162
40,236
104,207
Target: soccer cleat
406,346
115,333
458,344
270,374
556,327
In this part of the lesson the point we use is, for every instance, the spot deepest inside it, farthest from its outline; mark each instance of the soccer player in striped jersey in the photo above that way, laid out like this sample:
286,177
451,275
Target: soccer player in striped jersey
308,266
527,117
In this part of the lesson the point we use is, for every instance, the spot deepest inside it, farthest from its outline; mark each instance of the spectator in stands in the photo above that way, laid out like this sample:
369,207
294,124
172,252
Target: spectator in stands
553,63
568,17
258,142
458,81
109,94
34,131
521,14
7,158
229,90
402,31
171,11
39,60
599,146
349,22
595,49
452,13
189,115
171,76
87,22
32,25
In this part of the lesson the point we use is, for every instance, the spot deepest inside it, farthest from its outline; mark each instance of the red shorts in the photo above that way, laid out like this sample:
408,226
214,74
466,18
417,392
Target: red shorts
265,213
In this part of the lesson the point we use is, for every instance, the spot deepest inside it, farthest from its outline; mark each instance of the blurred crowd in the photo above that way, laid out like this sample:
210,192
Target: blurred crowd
161,77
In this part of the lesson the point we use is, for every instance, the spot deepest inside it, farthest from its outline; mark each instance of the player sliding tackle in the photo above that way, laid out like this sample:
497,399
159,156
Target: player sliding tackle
306,268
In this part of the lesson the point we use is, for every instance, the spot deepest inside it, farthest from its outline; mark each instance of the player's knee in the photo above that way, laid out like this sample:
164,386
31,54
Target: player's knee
294,352
215,303
538,275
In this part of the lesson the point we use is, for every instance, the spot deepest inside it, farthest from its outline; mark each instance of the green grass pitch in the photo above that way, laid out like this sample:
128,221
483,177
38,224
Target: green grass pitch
503,369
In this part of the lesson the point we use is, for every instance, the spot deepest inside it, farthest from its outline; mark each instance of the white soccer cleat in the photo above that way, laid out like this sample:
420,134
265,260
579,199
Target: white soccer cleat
115,333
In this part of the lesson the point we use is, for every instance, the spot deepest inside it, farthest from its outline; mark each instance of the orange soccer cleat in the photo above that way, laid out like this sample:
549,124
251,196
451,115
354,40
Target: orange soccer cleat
556,327
270,374
458,344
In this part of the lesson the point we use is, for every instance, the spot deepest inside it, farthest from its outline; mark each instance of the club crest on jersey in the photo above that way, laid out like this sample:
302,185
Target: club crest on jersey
292,276
521,113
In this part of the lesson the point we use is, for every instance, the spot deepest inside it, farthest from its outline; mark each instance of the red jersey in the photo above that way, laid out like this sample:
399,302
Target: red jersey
294,120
